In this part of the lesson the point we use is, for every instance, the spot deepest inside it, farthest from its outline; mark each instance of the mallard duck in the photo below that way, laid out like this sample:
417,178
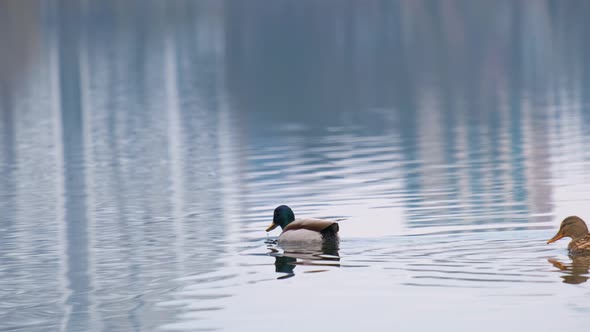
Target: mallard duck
575,228
302,230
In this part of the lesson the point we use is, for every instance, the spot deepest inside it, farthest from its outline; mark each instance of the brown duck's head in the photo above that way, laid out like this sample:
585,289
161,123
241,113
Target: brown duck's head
573,227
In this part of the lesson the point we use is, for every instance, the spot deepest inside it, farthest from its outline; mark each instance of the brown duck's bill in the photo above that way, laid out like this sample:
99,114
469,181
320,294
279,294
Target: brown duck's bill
555,238
271,227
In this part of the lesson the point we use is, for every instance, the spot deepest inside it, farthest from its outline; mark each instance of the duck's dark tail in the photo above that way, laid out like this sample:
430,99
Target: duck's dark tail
330,233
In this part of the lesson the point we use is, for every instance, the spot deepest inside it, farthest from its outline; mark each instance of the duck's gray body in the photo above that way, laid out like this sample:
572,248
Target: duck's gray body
310,230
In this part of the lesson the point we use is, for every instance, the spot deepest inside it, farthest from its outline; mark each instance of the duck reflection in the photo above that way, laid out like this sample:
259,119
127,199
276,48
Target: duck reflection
574,272
321,255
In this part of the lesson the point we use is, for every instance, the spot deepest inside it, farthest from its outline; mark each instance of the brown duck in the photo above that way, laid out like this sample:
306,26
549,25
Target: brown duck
575,228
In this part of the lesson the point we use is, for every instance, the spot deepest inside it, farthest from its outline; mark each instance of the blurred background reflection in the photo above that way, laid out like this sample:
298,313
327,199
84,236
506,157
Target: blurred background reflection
143,146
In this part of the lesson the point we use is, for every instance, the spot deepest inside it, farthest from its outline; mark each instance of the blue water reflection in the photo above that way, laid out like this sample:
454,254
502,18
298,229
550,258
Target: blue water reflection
143,148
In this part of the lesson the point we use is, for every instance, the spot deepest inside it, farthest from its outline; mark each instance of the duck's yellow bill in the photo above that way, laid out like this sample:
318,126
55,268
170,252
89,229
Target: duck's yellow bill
271,227
555,238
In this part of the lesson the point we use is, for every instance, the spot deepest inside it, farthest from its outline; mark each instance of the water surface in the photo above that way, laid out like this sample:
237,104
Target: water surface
143,148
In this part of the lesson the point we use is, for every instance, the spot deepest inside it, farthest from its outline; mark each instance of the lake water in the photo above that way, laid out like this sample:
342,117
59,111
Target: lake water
144,146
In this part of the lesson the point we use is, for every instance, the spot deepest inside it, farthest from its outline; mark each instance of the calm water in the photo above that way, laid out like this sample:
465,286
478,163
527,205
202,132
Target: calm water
143,147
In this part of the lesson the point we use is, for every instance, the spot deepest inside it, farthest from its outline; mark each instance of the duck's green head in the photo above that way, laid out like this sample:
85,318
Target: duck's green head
573,227
282,217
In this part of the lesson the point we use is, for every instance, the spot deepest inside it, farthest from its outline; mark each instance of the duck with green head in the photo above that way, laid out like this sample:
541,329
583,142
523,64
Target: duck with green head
575,228
302,230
